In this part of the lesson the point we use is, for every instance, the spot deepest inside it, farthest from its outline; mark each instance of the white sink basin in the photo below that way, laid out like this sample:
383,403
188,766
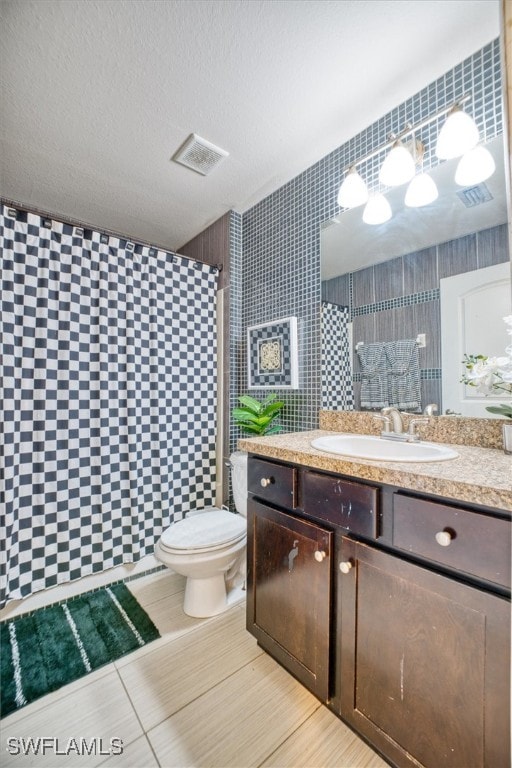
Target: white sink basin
379,449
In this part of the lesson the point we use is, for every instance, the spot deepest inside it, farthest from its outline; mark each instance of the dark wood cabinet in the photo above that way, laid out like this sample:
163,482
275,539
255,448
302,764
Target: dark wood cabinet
470,542
343,503
288,592
273,483
424,663
392,607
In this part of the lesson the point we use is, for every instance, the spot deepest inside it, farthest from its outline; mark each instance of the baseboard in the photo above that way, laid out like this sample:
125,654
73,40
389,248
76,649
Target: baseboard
72,588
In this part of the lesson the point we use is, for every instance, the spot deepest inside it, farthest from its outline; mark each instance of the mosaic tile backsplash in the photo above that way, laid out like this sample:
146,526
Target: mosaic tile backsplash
281,244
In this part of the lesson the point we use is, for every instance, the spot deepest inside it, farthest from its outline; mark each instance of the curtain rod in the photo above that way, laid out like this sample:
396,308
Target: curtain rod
75,223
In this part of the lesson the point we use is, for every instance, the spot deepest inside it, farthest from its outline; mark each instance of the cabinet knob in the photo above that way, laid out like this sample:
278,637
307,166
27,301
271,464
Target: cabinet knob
320,556
345,566
444,538
265,481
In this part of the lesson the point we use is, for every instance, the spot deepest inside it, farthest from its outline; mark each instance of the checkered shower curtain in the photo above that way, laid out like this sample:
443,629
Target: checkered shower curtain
337,389
109,398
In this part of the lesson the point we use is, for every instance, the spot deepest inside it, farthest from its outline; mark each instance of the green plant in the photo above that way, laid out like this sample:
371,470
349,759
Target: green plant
257,417
502,410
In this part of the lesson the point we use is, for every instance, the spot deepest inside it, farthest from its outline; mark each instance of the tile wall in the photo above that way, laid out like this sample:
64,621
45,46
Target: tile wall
236,338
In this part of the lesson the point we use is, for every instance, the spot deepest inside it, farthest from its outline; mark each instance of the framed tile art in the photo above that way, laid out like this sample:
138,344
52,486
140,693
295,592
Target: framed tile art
272,361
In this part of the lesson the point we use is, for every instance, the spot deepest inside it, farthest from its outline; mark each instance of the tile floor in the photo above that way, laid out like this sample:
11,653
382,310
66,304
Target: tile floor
203,695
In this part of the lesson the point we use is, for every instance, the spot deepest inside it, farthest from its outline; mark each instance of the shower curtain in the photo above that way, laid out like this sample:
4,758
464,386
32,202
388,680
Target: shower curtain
109,398
337,389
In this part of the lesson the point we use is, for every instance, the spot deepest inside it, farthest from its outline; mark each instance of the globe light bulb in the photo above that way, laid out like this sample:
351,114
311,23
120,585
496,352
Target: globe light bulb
353,191
377,210
475,166
458,135
421,191
398,167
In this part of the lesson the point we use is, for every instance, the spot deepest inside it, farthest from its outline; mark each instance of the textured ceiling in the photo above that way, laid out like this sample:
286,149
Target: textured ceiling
97,95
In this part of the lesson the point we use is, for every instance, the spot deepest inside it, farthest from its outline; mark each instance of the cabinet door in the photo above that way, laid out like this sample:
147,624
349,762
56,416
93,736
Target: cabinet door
425,663
288,599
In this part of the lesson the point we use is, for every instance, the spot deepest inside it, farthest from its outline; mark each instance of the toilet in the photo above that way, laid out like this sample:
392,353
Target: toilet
208,547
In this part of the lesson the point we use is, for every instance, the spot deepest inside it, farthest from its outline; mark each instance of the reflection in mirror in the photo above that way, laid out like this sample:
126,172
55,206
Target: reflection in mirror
388,277
347,244
473,305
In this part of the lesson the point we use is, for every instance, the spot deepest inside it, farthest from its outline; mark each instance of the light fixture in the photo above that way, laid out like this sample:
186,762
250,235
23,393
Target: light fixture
398,167
353,191
421,191
377,210
475,166
458,135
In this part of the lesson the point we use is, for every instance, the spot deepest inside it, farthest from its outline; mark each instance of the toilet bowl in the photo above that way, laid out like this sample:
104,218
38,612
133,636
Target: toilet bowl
208,547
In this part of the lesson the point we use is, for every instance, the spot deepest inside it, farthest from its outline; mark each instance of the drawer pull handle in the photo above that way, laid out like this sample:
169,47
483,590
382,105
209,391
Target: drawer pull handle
265,481
320,556
444,538
345,566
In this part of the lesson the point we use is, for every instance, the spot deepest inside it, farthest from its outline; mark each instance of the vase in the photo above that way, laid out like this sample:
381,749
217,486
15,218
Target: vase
507,438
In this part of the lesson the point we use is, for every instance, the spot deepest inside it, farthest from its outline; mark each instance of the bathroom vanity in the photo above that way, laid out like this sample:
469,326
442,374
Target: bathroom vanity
389,601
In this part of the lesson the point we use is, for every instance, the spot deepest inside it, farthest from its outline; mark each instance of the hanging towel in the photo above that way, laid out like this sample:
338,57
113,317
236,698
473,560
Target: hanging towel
374,380
404,374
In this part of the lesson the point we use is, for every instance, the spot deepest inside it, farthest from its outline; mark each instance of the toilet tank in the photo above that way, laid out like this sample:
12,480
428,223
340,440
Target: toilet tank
238,461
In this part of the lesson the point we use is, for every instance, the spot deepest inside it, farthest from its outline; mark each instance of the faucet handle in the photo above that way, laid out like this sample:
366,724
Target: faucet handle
412,426
386,422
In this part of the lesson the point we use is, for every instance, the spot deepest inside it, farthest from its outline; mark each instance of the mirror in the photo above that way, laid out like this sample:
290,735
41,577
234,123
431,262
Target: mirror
348,245
390,275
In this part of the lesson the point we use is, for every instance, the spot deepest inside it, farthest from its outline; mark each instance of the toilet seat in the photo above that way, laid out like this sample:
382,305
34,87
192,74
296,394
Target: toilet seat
214,529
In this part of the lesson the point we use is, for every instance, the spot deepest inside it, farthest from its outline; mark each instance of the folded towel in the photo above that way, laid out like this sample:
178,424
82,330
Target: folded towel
404,374
374,379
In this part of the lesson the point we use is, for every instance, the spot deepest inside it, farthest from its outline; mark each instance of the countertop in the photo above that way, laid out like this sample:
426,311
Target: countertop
478,475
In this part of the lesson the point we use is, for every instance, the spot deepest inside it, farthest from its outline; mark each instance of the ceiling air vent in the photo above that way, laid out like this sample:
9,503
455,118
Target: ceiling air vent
200,155
475,195
328,223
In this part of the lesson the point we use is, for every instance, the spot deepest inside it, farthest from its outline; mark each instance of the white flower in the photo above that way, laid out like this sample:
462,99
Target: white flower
490,374
485,373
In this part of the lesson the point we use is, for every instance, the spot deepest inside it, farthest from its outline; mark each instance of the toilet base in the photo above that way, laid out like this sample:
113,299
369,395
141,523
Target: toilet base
209,597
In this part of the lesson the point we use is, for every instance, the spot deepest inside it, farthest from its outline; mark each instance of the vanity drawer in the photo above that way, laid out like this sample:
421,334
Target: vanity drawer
475,543
350,505
275,483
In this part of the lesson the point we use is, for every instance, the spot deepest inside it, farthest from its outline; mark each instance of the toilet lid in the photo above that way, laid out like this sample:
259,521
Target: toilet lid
204,531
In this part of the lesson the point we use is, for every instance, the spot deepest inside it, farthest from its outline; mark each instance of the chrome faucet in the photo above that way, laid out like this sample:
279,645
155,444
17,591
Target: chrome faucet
396,419
393,427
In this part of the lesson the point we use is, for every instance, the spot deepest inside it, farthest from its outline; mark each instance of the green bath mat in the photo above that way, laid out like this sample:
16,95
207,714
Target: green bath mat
55,645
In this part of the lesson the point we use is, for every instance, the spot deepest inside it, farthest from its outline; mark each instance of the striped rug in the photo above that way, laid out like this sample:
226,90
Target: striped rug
52,646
